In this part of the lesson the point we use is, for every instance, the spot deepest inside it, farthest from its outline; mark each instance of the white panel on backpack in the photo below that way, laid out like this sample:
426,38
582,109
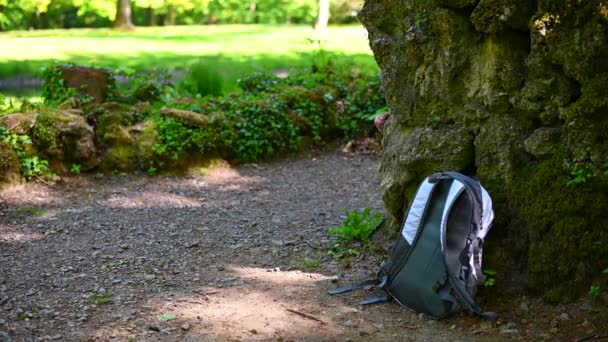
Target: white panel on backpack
414,216
487,215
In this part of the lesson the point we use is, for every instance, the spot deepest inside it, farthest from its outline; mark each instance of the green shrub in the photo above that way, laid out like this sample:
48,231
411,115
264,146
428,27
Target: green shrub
260,81
263,126
177,138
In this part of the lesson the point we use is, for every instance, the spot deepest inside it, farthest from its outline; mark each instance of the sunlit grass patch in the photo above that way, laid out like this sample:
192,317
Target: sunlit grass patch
232,49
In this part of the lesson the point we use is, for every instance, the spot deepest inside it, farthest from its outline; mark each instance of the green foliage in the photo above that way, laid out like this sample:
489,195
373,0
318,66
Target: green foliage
54,90
100,298
143,86
166,317
32,211
6,104
33,167
358,226
354,233
152,171
75,169
311,263
260,81
203,80
97,13
594,290
270,116
176,138
363,103
262,126
580,175
344,252
489,277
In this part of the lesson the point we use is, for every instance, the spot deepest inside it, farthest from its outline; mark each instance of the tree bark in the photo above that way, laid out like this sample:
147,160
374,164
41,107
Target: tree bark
322,17
123,15
151,17
171,15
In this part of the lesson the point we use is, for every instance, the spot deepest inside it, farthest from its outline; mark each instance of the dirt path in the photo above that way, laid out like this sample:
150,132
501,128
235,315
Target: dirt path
99,258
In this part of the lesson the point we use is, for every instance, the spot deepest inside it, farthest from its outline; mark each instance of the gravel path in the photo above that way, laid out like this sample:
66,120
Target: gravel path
221,255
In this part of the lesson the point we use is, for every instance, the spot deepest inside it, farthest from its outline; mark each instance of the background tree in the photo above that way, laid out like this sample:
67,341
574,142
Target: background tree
16,13
123,14
322,17
152,8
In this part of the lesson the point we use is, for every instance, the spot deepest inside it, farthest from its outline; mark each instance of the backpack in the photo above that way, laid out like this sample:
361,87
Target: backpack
435,266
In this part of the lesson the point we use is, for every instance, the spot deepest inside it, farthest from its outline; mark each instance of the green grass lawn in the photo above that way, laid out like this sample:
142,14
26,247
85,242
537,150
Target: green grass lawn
232,50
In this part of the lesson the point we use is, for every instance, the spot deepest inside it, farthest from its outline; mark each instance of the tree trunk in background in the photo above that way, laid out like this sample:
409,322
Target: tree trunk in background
123,14
322,18
38,22
170,15
151,17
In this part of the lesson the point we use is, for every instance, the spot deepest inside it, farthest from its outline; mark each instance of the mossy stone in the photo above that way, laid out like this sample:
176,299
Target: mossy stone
19,123
66,138
10,167
527,81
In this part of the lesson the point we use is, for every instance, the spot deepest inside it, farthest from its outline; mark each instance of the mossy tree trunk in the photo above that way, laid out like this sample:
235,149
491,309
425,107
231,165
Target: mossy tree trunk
514,92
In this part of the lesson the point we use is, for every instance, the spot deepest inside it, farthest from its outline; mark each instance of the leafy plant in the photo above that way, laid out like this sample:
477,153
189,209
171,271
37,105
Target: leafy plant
489,277
320,60
33,167
32,211
260,81
100,299
594,290
176,138
6,104
580,175
55,91
343,252
75,169
263,127
358,226
166,317
152,171
311,263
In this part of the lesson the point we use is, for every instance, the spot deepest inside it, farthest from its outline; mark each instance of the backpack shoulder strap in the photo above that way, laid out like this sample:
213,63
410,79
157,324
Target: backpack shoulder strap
356,286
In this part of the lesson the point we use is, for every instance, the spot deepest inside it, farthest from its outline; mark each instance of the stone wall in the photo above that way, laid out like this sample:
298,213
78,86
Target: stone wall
516,93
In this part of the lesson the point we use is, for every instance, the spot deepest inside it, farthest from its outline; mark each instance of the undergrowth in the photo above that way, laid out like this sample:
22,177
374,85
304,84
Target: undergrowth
269,116
354,235
31,165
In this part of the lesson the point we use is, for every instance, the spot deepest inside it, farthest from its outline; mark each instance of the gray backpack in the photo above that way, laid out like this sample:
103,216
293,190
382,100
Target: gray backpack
435,267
